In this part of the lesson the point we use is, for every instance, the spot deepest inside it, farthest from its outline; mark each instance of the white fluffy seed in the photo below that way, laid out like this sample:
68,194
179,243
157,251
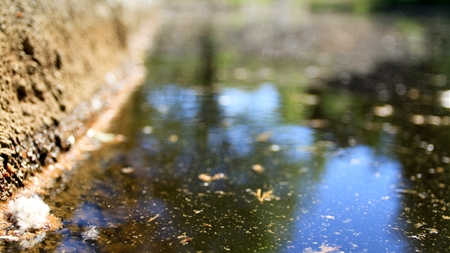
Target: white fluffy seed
28,212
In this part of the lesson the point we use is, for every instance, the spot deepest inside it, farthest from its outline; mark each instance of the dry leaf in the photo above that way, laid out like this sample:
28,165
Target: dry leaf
208,179
261,196
258,168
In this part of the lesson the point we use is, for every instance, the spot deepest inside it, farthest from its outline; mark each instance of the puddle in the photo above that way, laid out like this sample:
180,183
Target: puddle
256,134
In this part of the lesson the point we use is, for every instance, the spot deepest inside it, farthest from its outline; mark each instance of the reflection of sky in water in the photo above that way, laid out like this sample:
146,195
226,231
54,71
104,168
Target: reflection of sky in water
259,106
174,103
87,215
350,203
240,140
293,140
355,205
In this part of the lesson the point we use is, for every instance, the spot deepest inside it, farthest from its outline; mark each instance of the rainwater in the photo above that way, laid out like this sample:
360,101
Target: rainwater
274,132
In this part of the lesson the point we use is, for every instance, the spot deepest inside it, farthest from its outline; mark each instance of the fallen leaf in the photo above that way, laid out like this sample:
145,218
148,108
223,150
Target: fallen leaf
261,196
206,178
258,168
184,239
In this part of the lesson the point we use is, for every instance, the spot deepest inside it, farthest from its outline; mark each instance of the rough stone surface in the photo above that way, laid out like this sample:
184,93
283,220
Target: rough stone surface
53,55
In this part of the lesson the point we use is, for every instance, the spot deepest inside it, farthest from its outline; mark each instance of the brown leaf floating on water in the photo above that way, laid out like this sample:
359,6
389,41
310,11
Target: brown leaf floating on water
261,196
184,239
208,179
258,168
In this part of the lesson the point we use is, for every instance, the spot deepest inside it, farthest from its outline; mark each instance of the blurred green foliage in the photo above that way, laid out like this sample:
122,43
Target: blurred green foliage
356,6
367,6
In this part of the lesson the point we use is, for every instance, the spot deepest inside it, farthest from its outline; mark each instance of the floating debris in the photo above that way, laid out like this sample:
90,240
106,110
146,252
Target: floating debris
91,233
275,148
31,240
173,138
407,191
147,130
262,196
419,224
433,231
323,249
383,111
105,137
153,218
28,212
206,178
184,239
127,170
221,193
258,168
328,217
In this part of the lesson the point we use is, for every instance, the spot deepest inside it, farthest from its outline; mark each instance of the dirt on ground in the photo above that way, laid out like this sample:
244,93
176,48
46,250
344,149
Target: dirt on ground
54,55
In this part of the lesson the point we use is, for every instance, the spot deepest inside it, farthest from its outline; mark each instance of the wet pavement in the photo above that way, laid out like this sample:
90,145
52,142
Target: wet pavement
273,133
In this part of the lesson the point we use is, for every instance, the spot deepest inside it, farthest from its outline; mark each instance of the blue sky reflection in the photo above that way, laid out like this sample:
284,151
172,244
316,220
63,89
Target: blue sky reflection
354,206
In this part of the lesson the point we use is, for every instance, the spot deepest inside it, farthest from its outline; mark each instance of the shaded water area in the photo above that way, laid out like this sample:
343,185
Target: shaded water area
274,132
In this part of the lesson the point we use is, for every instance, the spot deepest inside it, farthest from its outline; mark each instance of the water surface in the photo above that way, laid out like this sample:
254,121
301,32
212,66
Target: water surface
274,133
